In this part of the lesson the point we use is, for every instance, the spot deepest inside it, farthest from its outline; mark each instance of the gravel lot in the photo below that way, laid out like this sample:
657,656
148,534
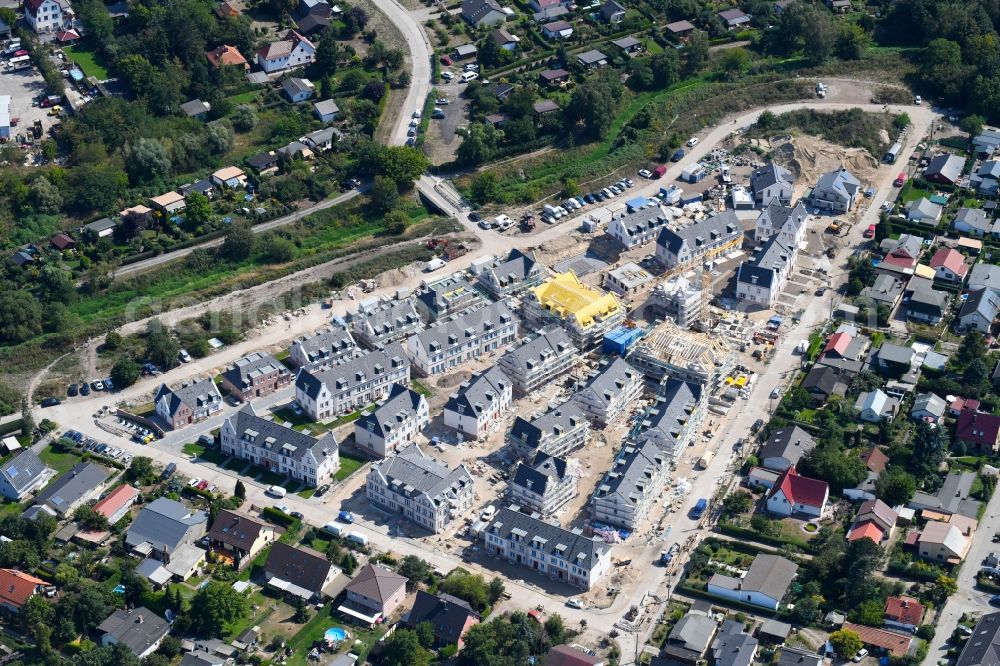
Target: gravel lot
23,86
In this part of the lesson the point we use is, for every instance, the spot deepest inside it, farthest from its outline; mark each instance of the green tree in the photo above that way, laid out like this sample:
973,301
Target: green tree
479,144
973,347
403,649
280,250
977,373
883,230
384,194
734,62
301,615
851,41
197,209
696,52
146,160
835,466
113,341
485,188
45,196
425,634
239,243
496,590
895,486
161,347
942,68
241,490
90,519
67,575
415,569
217,605
20,316
395,222
140,470
846,643
973,125
870,613
125,372
244,118
55,285
929,447
736,504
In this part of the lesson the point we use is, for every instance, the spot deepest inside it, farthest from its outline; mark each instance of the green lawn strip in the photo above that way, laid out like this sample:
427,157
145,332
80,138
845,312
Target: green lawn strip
271,478
265,607
313,631
206,453
243,98
60,462
307,493
348,466
421,388
286,414
86,61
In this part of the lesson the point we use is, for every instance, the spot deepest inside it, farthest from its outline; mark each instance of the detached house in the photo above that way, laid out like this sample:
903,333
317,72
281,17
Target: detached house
764,584
48,15
927,305
612,11
279,449
945,169
557,30
978,431
22,474
140,630
836,191
187,404
785,447
420,488
394,423
293,50
923,211
297,90
82,483
875,406
237,538
374,593
450,617
227,56
17,587
770,183
795,494
256,375
483,12
986,179
164,527
972,221
944,542
299,572
949,265
479,403
904,613
680,30
979,311
231,177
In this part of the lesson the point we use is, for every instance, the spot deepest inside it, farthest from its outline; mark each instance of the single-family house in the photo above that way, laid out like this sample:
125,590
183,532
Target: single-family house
311,16
298,90
299,572
795,494
612,11
231,177
894,360
733,646
374,593
82,483
483,12
960,404
772,183
322,140
593,58
680,30
140,630
554,77
876,406
922,211
22,474
629,44
293,50
945,169
116,504
504,40
236,538
17,587
557,30
886,290
690,638
928,407
824,381
101,228
204,187
875,520
985,640
163,527
265,163
836,191
986,179
972,221
903,612
979,311
978,431
943,542
45,16
734,18
785,447
450,617
764,584
927,305
227,56
949,265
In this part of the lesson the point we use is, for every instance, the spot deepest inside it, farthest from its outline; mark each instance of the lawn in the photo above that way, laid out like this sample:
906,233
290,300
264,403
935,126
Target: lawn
313,631
348,466
269,478
243,98
307,493
86,60
61,462
421,388
910,192
206,453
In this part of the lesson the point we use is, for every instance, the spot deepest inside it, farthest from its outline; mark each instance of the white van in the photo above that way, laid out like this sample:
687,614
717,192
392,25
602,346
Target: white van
488,513
276,491
357,538
469,76
334,529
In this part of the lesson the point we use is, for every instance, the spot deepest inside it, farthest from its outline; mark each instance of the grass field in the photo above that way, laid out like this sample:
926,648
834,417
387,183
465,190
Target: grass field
348,466
243,98
206,453
60,462
86,60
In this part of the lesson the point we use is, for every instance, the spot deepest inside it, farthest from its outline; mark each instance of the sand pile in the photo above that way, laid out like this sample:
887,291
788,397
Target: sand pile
812,157
398,276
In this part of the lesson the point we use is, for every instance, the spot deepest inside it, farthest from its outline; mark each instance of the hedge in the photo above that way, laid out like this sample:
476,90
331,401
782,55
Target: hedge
742,532
278,517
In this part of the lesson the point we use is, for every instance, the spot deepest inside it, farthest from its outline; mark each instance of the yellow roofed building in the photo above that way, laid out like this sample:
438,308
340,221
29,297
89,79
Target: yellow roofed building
586,313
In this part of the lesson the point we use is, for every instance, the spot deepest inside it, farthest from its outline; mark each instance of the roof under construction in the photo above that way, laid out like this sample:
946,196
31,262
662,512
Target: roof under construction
669,347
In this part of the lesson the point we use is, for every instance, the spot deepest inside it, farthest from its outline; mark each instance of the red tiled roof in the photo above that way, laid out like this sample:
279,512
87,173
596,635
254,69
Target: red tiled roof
950,259
906,610
875,460
980,429
897,644
16,587
226,55
866,529
115,500
62,241
838,342
33,5
960,404
800,489
912,537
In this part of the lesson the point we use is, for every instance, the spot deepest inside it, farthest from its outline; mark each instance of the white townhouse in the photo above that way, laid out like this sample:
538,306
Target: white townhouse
279,449
339,389
472,335
677,248
786,222
760,279
539,360
325,347
382,322
632,485
564,555
640,227
394,423
479,403
610,392
420,488
293,50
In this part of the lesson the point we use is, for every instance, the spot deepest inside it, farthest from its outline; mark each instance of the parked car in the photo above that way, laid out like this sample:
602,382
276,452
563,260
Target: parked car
72,390
442,101
574,603
693,141
194,482
97,385
280,507
447,76
862,653
85,389
645,173
345,517
50,402
109,385
445,60
297,514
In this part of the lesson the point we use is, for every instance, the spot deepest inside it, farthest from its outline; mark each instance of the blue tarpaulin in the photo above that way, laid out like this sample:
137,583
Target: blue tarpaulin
76,74
636,203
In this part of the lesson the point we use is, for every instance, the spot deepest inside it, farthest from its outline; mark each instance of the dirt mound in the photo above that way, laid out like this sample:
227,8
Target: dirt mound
449,381
398,276
809,158
560,248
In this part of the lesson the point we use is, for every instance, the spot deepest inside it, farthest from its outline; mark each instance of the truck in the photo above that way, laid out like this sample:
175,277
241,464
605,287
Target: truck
705,460
699,508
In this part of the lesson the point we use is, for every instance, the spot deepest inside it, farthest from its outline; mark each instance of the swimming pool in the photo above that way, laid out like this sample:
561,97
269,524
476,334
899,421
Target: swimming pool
335,634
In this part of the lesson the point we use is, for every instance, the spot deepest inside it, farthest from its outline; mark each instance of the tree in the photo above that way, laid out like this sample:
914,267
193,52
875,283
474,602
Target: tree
973,347
96,187
425,633
851,42
280,250
594,104
20,316
216,605
125,372
973,125
496,590
895,486
55,285
197,208
870,613
395,222
113,341
146,160
67,575
976,374
301,615
846,643
734,62
403,649
45,196
241,490
833,465
883,230
328,53
140,470
90,519
696,51
479,144
942,68
736,504
384,194
415,569
485,188
244,118
161,347
239,242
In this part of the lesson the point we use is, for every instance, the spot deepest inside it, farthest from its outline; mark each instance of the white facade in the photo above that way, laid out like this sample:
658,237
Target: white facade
479,403
393,424
46,15
471,336
357,383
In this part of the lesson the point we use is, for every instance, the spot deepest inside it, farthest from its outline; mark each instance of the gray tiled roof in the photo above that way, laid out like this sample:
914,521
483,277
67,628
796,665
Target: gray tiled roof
402,404
894,353
276,437
769,574
72,486
840,180
609,381
537,475
21,470
946,165
733,646
975,218
201,392
479,391
789,443
765,263
671,411
723,224
448,294
550,341
351,372
563,418
983,301
138,629
770,174
983,647
326,345
418,474
448,334
631,471
164,523
388,317
248,368
576,548
515,269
